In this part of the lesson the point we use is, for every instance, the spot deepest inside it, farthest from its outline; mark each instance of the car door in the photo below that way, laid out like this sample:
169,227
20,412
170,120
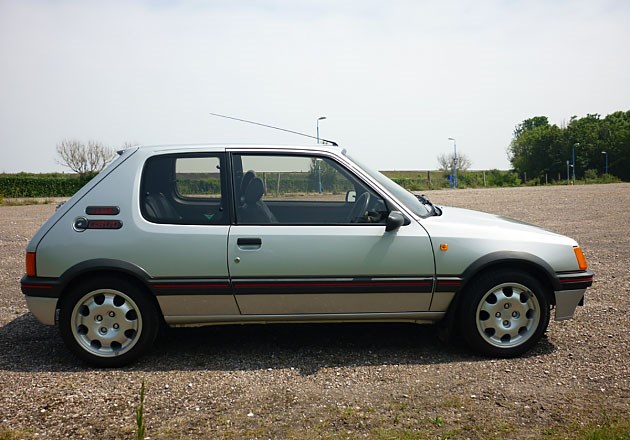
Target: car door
181,240
299,245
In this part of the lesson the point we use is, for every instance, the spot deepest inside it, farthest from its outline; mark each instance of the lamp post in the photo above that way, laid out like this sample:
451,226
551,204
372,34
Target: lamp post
319,119
577,144
319,174
454,161
605,153
568,174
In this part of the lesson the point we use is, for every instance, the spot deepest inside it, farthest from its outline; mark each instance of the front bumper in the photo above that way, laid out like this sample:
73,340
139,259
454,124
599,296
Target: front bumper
567,301
569,292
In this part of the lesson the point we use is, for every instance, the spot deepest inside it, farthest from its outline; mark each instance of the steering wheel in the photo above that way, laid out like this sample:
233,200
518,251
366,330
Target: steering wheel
359,208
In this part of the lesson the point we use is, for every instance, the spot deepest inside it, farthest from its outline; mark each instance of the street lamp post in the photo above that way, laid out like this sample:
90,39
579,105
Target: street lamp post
577,144
454,161
319,174
568,173
605,153
319,119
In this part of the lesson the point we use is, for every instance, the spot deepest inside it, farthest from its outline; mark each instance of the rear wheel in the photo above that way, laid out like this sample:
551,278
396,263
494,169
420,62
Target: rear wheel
108,322
504,313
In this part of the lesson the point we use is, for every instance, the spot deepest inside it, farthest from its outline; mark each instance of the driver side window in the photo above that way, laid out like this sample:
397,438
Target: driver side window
301,190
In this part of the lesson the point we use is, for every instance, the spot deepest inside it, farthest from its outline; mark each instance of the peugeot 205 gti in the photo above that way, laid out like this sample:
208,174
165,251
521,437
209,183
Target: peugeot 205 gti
196,235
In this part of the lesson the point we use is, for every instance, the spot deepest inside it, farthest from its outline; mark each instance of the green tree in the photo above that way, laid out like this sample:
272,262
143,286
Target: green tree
321,171
539,148
615,140
584,134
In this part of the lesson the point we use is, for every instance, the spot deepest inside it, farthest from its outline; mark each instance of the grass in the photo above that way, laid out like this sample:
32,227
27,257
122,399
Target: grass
140,414
345,423
13,434
609,428
25,201
437,421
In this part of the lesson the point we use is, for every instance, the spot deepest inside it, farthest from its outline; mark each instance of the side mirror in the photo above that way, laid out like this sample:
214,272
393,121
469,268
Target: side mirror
351,196
395,220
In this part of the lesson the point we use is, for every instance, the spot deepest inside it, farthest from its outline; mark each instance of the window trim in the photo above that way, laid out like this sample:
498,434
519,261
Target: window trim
170,188
341,167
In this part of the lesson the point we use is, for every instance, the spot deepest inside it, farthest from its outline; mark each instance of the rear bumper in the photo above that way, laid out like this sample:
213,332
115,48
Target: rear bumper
40,287
42,308
41,296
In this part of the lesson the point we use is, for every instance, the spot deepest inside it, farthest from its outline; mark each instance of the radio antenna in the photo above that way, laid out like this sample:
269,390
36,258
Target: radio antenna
326,141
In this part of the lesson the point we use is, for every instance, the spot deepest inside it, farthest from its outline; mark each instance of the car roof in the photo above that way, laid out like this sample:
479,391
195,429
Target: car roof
236,147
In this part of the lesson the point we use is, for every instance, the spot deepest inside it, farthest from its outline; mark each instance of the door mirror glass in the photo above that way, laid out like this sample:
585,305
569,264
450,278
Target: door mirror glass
351,196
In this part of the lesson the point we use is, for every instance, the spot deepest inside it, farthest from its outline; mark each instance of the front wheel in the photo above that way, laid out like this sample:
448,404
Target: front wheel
504,313
108,322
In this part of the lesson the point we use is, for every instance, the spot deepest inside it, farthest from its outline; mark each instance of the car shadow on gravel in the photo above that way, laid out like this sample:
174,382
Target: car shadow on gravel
27,345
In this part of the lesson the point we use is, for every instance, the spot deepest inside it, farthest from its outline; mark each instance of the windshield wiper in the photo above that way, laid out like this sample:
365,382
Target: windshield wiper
435,210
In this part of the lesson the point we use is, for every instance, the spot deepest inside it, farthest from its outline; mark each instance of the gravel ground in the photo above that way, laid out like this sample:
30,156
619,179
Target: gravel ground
338,381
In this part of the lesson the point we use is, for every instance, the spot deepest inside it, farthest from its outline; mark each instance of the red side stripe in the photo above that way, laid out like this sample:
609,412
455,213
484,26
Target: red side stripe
191,286
576,280
339,284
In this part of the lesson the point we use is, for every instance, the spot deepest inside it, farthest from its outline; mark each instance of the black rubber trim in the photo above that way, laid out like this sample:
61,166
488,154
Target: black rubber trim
34,285
448,284
575,280
523,259
53,287
197,286
327,285
40,287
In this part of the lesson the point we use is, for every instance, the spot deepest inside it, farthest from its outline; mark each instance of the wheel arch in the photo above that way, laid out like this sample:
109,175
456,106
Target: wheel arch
103,267
522,261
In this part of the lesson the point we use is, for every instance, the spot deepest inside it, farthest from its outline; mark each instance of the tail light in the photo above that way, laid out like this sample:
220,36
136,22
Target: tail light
31,270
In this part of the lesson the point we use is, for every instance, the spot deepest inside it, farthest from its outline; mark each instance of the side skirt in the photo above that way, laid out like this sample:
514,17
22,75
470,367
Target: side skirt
194,321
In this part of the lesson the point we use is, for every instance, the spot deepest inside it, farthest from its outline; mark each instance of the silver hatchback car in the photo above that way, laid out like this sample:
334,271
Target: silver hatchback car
197,235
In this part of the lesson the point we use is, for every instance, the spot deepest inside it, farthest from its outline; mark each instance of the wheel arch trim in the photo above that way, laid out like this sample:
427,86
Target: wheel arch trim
515,260
102,265
48,287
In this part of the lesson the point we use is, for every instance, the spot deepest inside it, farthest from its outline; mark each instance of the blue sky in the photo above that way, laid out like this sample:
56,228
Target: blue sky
394,79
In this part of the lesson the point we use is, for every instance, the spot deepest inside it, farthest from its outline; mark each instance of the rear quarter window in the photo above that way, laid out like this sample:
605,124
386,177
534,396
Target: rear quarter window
184,189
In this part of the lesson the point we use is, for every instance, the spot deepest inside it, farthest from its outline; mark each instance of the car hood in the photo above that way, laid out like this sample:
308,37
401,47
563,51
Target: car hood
469,220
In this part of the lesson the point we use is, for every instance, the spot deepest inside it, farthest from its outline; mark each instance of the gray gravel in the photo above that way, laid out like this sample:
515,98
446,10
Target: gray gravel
337,381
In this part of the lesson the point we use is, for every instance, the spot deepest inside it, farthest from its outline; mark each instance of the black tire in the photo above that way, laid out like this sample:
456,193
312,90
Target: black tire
503,313
108,321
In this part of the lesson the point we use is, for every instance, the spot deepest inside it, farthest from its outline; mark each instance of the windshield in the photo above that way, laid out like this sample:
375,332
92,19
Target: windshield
406,197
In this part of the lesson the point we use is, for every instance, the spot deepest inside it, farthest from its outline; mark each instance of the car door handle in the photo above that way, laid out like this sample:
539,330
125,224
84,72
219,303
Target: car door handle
249,242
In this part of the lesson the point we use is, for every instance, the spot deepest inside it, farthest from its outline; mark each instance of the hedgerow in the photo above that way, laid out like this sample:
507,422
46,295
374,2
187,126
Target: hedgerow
41,185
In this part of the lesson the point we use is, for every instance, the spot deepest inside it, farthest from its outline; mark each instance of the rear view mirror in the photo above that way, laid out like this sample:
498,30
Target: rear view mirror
395,220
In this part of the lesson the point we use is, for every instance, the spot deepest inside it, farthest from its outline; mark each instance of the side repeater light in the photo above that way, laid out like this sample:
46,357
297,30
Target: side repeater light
31,270
582,264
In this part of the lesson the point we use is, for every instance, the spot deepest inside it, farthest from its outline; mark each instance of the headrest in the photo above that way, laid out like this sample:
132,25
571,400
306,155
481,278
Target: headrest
255,190
247,177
